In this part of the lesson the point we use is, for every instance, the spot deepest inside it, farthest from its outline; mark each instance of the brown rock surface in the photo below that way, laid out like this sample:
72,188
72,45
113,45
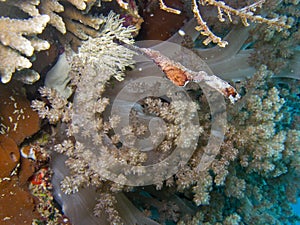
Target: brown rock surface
9,156
17,122
17,119
16,204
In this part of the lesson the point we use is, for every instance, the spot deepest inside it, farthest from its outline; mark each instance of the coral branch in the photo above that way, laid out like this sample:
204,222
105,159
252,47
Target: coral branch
51,8
7,66
168,9
28,6
204,29
82,4
13,33
245,14
13,30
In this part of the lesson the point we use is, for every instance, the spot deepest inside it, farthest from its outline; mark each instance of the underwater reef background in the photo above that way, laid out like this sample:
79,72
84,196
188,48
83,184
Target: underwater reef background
149,112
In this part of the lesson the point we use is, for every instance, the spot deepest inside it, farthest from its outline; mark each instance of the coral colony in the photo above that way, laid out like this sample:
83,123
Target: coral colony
97,127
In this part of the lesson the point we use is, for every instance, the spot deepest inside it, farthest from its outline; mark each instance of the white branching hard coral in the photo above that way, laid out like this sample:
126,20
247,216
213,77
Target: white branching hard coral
28,6
17,38
12,35
82,4
68,18
51,8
